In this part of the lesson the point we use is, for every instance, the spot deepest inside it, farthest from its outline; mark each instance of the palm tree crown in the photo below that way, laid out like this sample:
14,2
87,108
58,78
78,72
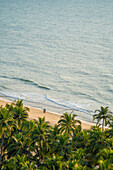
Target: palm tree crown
67,123
103,114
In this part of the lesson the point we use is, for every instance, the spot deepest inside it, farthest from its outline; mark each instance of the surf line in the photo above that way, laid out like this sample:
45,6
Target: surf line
18,98
11,96
76,109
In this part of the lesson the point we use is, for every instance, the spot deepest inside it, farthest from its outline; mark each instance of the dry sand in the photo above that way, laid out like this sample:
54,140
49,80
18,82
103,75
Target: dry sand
51,117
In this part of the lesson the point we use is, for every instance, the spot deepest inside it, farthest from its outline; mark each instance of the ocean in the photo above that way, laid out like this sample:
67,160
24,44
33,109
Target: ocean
57,55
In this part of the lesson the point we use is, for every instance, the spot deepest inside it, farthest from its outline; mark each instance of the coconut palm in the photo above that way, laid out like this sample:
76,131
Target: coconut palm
106,154
53,135
79,140
19,162
62,146
105,164
24,163
27,130
18,145
21,143
54,131
96,142
20,113
67,123
103,115
39,137
75,165
5,124
54,162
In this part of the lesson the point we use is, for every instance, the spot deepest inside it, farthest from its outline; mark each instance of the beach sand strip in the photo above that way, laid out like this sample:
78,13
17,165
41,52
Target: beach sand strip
53,118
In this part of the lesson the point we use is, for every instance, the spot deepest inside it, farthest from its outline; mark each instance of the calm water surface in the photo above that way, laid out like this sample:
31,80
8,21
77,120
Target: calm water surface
57,54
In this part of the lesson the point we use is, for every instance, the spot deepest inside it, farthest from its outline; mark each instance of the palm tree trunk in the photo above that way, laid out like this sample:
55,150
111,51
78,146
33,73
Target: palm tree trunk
103,126
2,141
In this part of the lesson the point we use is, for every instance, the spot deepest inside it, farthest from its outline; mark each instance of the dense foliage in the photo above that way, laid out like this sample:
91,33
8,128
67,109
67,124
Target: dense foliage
36,145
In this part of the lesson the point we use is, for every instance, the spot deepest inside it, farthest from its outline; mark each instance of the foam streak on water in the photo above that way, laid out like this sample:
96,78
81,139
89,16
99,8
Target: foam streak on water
57,54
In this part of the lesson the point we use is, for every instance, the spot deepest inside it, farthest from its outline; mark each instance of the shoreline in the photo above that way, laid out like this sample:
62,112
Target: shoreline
53,118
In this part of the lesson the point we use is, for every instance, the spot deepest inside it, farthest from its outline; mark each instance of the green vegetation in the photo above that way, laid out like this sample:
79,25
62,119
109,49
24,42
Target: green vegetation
36,145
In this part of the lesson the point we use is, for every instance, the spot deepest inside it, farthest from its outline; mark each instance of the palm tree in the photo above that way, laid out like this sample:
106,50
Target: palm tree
62,146
106,154
26,164
28,128
67,123
22,143
18,145
105,164
53,134
75,165
39,137
96,142
54,162
5,124
19,162
79,140
20,113
103,114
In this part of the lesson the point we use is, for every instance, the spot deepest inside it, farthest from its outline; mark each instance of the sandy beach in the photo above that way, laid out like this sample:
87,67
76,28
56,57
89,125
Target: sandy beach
53,118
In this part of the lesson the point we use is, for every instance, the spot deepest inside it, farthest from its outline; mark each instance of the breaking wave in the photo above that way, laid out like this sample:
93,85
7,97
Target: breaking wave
26,81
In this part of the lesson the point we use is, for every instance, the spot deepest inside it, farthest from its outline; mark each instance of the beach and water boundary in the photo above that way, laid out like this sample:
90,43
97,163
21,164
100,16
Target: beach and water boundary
54,106
53,118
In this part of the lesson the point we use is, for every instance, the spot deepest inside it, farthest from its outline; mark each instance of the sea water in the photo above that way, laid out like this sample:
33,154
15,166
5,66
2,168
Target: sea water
57,55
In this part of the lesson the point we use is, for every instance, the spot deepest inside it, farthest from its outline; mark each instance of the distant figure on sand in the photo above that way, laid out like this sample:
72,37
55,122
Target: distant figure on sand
44,110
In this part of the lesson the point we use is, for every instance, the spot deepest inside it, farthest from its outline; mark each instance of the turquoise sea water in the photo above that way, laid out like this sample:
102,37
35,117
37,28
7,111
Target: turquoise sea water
57,54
